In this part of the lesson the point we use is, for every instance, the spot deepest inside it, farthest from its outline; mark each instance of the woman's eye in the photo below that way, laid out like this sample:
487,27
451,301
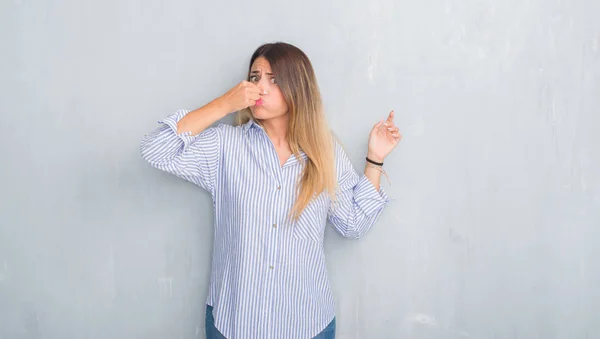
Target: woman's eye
273,81
254,78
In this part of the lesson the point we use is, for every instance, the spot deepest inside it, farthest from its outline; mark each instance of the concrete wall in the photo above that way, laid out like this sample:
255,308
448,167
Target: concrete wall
494,228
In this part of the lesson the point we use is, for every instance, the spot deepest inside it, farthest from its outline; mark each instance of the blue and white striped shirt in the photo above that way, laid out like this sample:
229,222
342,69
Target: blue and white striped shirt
269,278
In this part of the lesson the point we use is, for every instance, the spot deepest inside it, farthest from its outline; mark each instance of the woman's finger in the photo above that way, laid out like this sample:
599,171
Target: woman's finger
390,118
378,126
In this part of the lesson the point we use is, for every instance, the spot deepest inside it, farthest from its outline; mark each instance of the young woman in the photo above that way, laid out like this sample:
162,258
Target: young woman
275,180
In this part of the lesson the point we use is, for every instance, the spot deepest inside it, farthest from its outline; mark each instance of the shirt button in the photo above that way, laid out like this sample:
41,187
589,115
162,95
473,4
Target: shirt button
278,187
271,267
275,225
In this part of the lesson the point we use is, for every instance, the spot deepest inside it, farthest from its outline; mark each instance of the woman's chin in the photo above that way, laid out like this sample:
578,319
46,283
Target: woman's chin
260,113
264,114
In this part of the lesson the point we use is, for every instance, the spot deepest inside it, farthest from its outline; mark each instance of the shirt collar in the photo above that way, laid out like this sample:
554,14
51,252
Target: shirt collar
250,124
253,124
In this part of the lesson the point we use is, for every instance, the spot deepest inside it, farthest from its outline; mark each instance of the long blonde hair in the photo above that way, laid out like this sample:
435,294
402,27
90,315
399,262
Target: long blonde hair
308,130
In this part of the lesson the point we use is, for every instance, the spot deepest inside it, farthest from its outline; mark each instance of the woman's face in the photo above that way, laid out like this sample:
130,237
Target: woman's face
272,103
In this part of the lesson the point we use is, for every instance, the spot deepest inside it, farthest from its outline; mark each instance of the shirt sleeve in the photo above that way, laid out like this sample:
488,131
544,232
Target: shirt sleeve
194,158
357,204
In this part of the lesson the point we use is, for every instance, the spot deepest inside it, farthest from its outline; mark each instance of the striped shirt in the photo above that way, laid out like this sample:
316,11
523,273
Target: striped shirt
268,278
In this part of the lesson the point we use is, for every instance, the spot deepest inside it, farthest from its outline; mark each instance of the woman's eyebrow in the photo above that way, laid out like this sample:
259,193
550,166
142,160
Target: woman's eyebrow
258,72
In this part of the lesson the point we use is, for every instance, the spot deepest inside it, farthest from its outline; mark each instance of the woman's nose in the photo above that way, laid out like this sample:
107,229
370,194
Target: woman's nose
263,88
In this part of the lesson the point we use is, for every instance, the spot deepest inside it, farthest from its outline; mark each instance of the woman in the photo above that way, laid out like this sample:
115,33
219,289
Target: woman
275,179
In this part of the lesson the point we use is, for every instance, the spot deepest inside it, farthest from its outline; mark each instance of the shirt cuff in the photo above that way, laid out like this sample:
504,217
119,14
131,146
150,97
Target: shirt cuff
172,121
368,198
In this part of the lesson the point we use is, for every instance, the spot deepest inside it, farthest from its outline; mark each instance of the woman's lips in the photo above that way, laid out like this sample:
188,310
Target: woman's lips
259,102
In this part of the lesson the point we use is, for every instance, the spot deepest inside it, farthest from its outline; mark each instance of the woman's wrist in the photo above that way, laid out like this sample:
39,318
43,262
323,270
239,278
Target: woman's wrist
374,158
373,172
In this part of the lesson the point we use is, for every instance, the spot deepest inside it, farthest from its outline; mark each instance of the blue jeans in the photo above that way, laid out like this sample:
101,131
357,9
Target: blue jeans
213,333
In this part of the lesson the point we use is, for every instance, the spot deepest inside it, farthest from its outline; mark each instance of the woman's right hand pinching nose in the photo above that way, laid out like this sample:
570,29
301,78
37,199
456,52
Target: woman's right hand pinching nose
242,95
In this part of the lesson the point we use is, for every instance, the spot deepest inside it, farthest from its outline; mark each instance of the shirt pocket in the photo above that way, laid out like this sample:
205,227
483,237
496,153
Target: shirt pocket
311,223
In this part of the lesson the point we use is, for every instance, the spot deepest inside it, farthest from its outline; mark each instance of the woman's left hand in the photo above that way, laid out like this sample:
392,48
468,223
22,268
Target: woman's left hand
384,137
